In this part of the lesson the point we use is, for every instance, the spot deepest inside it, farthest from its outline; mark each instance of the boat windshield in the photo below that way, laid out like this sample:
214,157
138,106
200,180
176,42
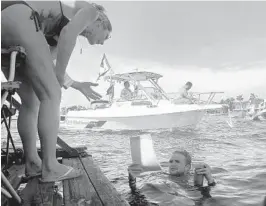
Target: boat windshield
148,90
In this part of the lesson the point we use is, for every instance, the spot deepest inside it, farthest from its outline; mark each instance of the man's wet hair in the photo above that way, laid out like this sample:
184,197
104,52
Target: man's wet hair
189,84
185,154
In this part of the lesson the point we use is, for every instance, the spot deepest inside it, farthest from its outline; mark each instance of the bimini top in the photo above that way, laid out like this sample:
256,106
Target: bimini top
137,76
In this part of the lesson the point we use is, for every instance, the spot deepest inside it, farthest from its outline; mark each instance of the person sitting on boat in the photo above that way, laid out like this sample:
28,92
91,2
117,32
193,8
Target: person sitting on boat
176,187
184,97
34,25
126,93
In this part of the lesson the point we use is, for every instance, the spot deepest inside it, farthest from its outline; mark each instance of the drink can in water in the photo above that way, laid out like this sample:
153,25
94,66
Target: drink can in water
198,179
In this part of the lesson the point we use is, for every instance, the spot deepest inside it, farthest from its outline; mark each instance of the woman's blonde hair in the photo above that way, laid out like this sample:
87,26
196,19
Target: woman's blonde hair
101,10
103,17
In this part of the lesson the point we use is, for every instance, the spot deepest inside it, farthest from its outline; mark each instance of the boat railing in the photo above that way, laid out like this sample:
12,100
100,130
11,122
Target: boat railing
197,97
210,97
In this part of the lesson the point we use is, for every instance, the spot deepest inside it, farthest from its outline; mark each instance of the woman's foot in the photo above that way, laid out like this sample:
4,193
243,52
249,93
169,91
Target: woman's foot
59,172
33,168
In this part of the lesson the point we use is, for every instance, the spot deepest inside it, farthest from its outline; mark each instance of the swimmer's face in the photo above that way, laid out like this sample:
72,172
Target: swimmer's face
96,34
178,165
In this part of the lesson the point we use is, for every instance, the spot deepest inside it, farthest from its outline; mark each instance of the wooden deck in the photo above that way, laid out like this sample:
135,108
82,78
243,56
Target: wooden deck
92,188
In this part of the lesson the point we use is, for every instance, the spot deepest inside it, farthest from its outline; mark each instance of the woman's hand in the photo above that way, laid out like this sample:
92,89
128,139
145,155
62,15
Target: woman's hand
86,90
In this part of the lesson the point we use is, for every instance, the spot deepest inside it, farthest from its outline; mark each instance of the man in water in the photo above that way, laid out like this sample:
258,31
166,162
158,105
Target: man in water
184,97
176,188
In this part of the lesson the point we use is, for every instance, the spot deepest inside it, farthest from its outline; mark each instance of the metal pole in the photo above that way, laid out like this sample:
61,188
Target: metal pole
5,193
13,193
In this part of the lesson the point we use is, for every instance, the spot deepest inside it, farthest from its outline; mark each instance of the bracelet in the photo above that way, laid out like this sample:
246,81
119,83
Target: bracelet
67,81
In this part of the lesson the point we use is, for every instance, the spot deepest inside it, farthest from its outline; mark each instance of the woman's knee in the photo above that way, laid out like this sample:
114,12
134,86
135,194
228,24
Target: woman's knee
52,93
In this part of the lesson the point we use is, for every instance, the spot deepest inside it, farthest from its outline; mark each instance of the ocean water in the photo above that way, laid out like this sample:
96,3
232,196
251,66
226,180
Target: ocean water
236,155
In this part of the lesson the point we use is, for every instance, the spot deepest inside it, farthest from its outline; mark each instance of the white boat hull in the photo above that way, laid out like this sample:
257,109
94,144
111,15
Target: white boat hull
260,115
139,118
180,119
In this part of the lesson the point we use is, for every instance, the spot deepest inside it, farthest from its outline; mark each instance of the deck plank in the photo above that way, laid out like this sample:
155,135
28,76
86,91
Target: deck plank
79,191
107,192
37,193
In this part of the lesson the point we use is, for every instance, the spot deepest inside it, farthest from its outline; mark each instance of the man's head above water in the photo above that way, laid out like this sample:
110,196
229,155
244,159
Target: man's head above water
180,163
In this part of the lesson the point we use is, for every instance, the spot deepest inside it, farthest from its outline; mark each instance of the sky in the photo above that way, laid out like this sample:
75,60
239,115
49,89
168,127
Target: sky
218,46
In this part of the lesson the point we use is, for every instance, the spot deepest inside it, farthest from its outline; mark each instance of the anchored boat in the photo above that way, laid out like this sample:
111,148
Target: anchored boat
151,107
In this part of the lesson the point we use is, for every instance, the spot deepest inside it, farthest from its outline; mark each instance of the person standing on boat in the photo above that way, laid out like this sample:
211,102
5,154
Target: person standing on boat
178,186
126,93
35,26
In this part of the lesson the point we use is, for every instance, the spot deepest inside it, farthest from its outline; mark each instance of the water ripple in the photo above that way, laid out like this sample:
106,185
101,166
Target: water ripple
237,155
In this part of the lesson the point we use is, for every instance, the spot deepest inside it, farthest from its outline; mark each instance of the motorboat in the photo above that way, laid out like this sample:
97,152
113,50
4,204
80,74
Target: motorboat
150,108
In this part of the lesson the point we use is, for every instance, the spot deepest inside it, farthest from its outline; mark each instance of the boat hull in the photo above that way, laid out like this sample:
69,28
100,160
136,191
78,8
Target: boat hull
173,120
140,119
260,115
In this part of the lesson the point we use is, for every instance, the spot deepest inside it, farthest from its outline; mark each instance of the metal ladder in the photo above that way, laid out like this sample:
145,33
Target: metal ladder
7,90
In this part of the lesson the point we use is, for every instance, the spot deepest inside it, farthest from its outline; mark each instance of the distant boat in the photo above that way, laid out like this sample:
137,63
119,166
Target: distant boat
259,113
253,110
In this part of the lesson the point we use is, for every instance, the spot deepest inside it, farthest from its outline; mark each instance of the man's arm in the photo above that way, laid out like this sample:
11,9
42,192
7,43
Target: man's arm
67,39
132,182
133,171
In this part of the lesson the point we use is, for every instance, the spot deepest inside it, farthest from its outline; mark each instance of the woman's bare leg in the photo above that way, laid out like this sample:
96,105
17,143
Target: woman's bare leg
18,29
28,116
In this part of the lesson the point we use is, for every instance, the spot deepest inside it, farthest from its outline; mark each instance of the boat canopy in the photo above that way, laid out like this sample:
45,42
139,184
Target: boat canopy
135,76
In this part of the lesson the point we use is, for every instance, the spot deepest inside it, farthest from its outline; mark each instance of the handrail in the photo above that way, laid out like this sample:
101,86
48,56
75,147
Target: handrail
11,76
160,89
